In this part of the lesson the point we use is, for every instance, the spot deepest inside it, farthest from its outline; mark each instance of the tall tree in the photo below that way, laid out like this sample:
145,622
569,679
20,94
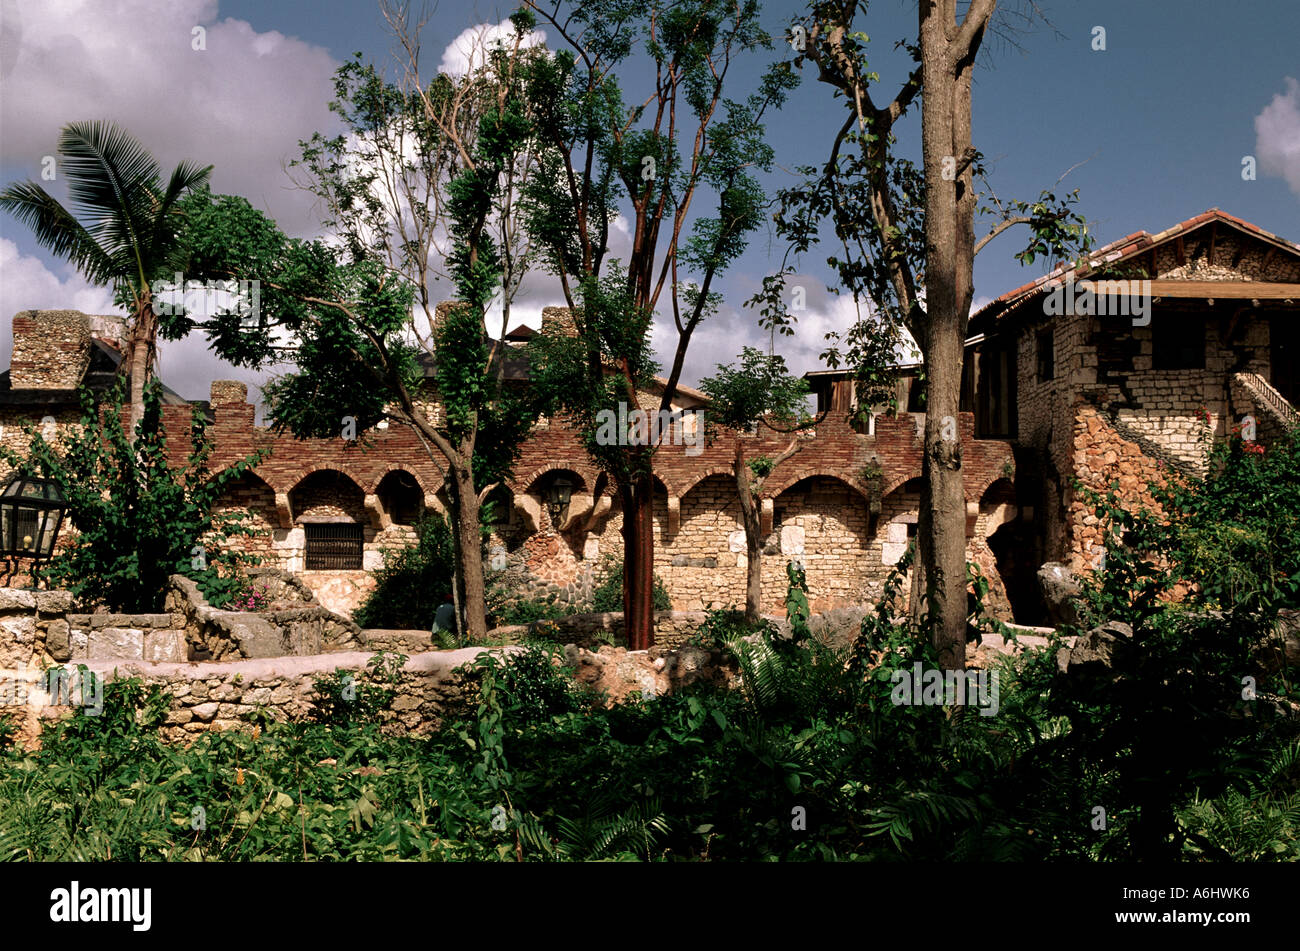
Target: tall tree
906,237
759,394
424,180
121,231
681,144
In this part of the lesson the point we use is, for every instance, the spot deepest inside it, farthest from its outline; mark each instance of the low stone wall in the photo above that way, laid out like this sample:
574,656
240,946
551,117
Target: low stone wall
155,638
293,627
34,629
398,640
223,695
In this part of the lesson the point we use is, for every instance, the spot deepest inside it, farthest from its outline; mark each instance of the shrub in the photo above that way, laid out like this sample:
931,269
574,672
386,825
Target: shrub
607,592
343,699
536,609
411,584
723,627
138,520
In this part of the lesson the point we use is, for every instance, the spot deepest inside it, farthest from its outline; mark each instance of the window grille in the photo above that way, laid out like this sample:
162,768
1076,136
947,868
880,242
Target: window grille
334,546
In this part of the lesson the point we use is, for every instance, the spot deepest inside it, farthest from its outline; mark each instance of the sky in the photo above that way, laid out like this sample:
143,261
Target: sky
1152,129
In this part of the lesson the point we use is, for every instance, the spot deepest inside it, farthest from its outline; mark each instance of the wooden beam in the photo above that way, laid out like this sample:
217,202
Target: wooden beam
1222,290
1214,230
1179,252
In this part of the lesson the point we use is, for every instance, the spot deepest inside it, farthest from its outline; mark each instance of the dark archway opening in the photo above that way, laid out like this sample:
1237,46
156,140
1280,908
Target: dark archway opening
1015,548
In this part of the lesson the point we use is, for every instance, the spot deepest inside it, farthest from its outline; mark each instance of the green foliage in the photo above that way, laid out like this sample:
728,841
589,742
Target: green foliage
722,628
223,580
413,581
138,519
344,699
1237,535
548,608
796,602
607,592
759,390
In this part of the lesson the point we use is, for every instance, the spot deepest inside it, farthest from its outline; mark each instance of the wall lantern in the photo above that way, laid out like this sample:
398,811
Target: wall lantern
31,512
557,498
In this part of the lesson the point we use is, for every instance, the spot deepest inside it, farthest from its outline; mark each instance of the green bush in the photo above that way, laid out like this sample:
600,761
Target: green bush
138,520
344,699
536,609
413,581
607,591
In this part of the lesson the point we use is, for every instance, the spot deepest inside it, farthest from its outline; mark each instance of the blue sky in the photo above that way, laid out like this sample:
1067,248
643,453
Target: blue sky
1160,120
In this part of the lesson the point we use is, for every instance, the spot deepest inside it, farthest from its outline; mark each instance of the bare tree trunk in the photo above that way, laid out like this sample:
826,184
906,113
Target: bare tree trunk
753,539
140,357
469,545
949,260
638,563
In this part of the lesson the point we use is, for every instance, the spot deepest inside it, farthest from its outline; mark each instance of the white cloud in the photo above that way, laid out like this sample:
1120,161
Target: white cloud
1277,135
468,50
187,366
719,339
29,285
241,104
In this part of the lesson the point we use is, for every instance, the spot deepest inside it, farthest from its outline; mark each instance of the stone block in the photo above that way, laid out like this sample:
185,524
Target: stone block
116,643
204,711
54,602
792,539
166,647
16,599
18,630
57,640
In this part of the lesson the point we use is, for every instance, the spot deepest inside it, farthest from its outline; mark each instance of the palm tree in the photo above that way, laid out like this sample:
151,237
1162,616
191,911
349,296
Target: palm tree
124,231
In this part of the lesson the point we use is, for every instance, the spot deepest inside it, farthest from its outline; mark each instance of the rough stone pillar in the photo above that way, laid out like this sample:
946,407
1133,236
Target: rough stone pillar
51,349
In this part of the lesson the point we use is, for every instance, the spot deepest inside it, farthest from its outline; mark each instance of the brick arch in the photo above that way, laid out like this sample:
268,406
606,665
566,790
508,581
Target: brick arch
978,496
383,471
260,505
294,478
585,473
773,491
895,484
250,472
361,514
991,483
697,478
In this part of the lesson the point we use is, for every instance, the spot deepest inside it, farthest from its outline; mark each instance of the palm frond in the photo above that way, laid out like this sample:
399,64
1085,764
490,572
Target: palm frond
185,176
113,182
57,230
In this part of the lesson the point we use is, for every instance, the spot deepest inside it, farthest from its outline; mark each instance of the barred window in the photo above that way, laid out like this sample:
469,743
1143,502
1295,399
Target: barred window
334,546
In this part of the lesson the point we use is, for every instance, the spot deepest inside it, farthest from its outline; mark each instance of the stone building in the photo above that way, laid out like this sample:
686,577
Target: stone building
1091,381
1046,398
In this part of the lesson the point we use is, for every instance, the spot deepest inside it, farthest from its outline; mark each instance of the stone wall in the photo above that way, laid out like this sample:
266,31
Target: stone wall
698,552
1102,456
34,629
51,349
294,624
